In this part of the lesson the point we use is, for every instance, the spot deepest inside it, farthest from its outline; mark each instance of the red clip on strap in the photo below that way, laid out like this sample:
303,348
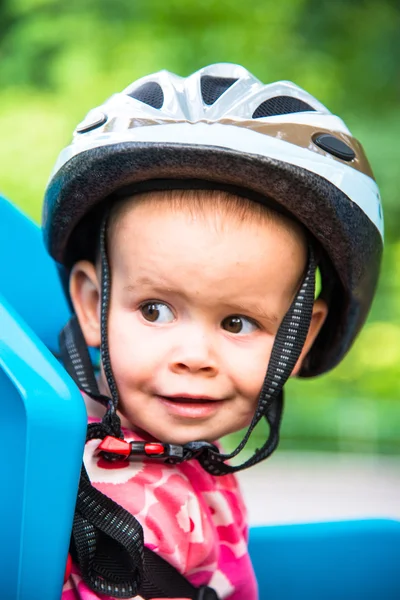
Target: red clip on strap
154,448
115,446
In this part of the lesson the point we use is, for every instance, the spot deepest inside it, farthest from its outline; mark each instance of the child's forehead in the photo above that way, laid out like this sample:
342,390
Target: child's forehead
164,241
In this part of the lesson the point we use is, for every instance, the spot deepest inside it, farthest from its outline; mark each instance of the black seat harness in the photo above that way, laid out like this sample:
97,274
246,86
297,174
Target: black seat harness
107,541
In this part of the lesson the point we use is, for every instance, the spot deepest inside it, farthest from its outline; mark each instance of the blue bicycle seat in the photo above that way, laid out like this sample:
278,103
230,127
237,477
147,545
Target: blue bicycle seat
43,416
28,276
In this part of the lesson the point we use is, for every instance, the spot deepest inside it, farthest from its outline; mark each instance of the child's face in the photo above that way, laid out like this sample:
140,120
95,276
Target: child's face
196,303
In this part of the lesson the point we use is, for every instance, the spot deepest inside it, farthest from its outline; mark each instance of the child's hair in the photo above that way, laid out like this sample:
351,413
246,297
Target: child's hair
225,206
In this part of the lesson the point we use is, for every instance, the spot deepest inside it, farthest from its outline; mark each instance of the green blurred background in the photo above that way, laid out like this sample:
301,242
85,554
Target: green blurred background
59,59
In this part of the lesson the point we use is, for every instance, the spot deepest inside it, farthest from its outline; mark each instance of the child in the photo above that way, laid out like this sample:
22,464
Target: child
188,217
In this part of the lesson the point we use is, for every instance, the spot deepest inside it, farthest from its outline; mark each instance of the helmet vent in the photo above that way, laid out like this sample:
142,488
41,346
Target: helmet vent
213,87
281,105
150,93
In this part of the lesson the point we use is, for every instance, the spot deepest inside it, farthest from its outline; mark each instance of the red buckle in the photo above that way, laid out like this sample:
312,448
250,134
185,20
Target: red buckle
115,446
154,448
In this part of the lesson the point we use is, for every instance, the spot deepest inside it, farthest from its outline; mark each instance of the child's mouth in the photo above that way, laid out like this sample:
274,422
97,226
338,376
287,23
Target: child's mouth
191,406
189,399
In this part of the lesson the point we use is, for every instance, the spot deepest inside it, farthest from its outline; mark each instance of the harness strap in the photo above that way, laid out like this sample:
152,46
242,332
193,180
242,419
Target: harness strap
162,579
107,543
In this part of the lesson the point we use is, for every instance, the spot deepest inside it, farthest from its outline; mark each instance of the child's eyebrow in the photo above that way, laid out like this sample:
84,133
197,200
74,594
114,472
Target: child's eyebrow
272,317
258,311
140,281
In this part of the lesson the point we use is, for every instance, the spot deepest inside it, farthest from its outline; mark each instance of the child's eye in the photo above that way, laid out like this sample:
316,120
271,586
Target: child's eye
235,324
157,312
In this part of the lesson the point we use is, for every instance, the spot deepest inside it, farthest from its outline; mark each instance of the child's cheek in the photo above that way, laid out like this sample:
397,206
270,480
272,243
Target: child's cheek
250,367
136,351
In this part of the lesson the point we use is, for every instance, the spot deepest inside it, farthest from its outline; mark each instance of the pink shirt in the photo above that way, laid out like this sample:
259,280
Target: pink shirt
194,520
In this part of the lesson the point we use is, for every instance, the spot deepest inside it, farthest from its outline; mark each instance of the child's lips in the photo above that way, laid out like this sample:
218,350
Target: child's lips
191,406
189,398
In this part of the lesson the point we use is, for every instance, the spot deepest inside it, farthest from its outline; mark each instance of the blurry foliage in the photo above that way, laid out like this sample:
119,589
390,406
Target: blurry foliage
58,60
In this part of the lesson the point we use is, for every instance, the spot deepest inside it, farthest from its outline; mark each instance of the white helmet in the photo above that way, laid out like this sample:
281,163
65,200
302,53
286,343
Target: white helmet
222,128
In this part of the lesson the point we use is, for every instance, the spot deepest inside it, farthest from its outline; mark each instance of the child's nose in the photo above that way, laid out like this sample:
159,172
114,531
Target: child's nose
194,355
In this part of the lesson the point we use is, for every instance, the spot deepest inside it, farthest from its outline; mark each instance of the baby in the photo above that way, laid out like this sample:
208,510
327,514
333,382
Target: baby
189,216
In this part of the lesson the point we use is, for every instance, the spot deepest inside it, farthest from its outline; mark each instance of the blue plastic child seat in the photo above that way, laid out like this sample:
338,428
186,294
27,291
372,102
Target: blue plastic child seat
43,435
347,560
44,416
28,276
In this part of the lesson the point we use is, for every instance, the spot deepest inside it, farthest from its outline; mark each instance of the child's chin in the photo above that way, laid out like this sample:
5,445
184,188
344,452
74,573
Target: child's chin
176,438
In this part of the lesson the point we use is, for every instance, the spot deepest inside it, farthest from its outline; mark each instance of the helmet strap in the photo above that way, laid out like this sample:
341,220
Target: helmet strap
76,358
110,418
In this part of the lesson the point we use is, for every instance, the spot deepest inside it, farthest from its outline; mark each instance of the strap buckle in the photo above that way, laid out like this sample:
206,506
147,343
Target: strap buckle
113,448
197,448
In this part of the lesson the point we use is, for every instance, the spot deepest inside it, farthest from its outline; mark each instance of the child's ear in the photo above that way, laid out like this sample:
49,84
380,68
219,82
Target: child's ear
320,311
84,288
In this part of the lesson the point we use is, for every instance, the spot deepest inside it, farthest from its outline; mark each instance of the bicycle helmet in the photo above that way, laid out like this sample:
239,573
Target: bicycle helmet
221,125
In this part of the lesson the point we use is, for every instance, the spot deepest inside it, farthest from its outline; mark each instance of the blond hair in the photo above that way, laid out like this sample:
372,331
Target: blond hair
197,203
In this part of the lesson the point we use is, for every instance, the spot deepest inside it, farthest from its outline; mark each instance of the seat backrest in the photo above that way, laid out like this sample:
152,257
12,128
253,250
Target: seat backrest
28,276
42,413
347,560
43,434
